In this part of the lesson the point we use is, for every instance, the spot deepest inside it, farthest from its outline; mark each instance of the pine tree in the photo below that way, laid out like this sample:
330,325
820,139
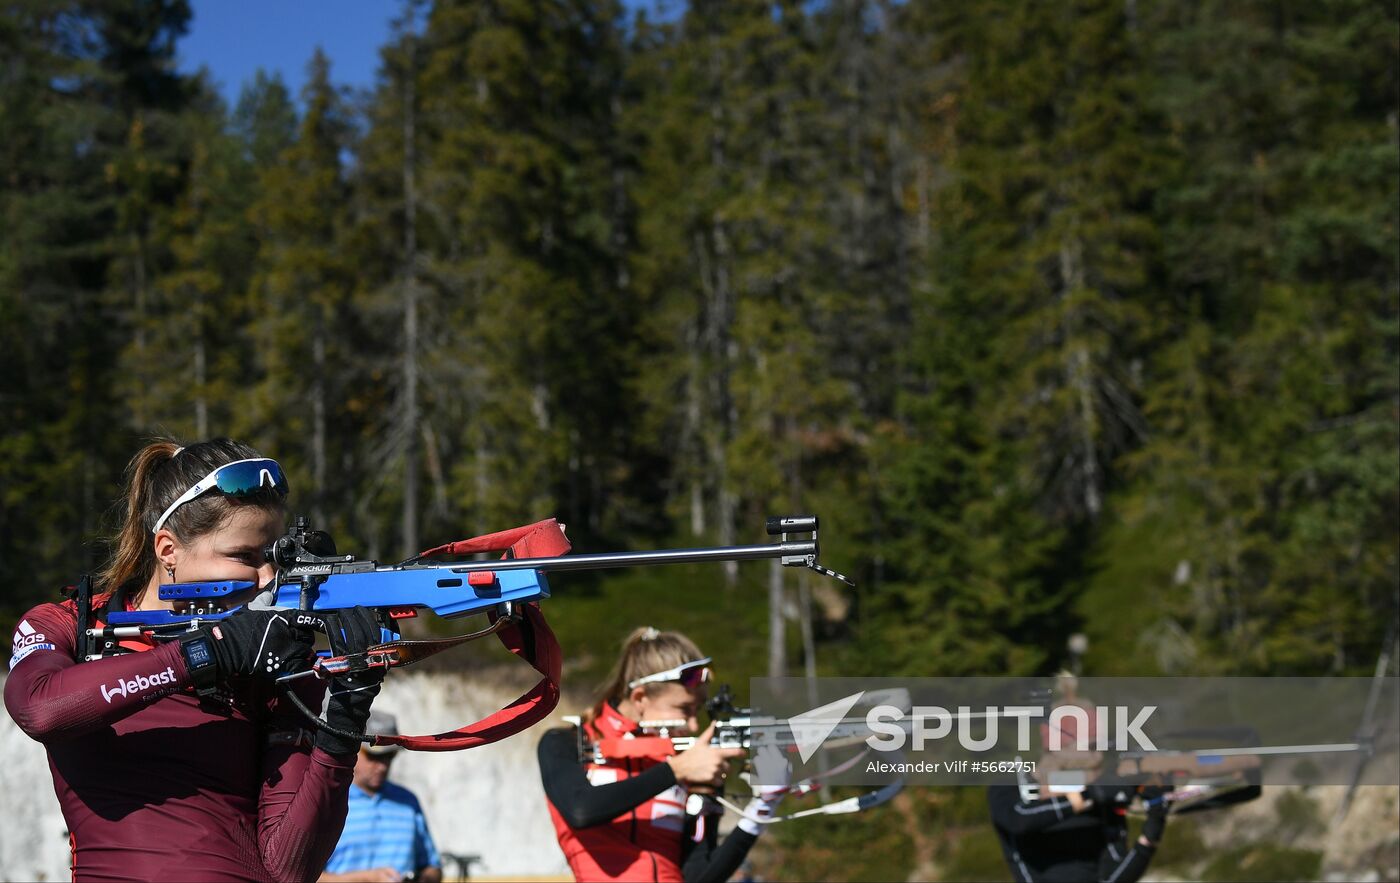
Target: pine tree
78,78
394,288
145,175
264,119
1022,388
766,221
517,110
304,332
1277,482
194,312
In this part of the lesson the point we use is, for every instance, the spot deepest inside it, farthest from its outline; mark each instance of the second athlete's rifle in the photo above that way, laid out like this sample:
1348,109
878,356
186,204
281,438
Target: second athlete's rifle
744,728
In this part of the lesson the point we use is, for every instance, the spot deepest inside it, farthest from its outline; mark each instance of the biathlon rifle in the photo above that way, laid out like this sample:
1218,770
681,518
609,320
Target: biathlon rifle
1215,777
734,727
313,582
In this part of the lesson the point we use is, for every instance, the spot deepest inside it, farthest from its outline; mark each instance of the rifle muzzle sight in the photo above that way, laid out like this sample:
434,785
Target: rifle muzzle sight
790,524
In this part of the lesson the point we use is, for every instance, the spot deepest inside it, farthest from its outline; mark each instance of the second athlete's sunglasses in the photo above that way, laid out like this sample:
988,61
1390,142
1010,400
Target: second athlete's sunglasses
689,674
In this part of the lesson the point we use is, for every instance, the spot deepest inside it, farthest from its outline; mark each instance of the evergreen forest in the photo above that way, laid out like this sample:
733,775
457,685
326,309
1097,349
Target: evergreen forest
1068,317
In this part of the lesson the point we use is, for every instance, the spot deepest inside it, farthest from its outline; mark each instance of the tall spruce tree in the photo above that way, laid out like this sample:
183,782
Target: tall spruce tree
264,119
303,405
191,340
766,218
1271,477
392,240
79,80
517,105
1027,327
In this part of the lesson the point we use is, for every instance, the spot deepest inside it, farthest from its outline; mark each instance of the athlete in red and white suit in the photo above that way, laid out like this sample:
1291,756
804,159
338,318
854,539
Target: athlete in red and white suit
624,817
635,835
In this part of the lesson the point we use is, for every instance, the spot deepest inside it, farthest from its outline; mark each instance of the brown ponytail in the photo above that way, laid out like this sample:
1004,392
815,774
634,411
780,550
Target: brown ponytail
156,477
645,651
132,552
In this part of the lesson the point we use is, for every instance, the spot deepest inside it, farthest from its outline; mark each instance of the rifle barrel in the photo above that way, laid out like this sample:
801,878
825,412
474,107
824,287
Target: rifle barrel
1251,751
604,560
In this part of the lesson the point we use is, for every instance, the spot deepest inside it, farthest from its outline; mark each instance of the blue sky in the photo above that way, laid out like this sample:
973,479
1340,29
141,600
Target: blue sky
233,38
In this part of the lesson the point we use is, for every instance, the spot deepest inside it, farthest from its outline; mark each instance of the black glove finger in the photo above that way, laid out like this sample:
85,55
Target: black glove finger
331,627
362,628
309,623
350,630
372,637
1156,824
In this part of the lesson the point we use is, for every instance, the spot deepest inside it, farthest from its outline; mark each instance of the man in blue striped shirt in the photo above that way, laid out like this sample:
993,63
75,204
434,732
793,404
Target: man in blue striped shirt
386,838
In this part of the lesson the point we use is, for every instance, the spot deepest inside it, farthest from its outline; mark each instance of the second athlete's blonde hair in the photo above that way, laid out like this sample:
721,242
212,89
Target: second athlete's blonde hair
645,651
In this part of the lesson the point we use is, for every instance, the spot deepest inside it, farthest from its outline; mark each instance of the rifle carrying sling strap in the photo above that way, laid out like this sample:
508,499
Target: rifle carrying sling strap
529,637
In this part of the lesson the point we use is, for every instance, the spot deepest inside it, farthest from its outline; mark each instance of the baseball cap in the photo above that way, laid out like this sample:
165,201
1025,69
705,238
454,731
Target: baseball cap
381,724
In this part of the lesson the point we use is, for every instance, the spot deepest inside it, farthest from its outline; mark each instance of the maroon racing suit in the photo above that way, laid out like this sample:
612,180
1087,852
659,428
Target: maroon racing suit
156,784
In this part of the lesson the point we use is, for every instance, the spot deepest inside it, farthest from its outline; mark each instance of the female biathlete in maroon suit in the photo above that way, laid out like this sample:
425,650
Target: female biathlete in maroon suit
626,818
179,760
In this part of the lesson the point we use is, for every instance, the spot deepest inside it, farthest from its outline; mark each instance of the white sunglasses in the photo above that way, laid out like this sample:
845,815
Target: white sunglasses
237,479
689,674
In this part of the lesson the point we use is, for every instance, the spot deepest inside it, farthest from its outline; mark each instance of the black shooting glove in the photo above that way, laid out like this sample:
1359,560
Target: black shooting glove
350,632
1156,825
249,643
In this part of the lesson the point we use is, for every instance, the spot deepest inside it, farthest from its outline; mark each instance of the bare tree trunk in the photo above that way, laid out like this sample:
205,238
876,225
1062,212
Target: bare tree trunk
694,420
1083,383
721,318
809,643
1081,378
409,527
482,463
138,280
89,507
622,277
809,659
433,457
777,623
697,506
720,345
201,379
318,421
482,454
